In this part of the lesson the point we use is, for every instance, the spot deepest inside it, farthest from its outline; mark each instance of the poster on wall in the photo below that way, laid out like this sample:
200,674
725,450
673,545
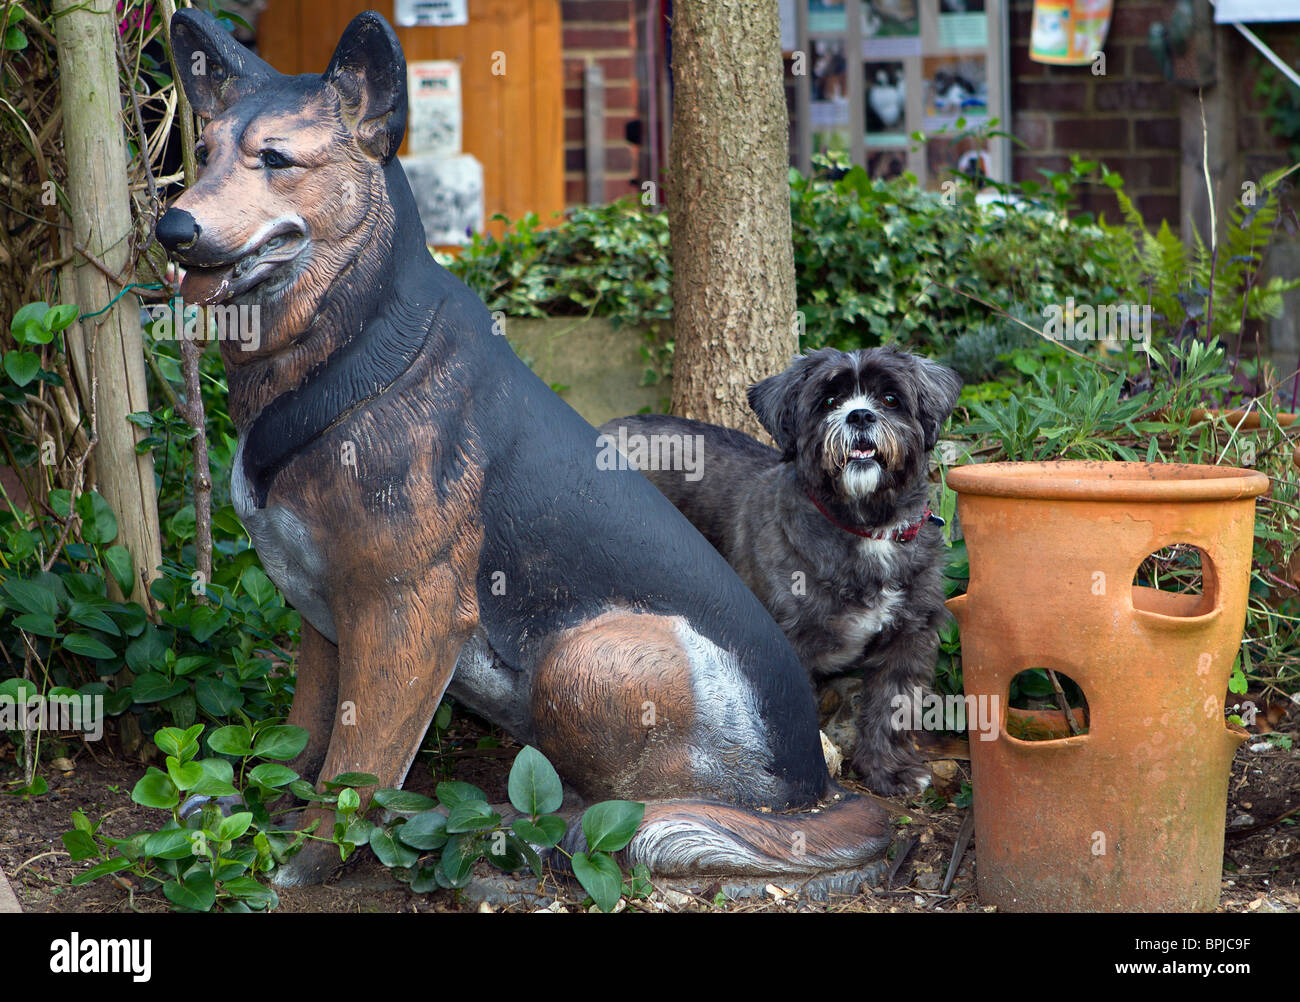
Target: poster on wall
925,80
827,16
433,107
955,87
963,24
891,28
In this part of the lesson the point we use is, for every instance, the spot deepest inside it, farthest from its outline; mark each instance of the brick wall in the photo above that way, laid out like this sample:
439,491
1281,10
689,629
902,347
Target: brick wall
1260,149
604,32
1127,118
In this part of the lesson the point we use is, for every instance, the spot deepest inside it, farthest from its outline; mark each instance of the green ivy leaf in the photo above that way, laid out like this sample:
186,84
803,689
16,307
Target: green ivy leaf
391,852
548,830
152,687
403,801
101,870
218,778
80,845
98,523
600,877
155,789
258,586
32,597
60,317
453,792
184,775
234,739
609,826
121,566
234,826
217,696
426,830
471,816
87,646
197,892
28,323
173,844
282,742
534,786
206,620
272,774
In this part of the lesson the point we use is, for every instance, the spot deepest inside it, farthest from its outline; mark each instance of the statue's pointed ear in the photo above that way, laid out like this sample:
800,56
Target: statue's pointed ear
214,69
369,72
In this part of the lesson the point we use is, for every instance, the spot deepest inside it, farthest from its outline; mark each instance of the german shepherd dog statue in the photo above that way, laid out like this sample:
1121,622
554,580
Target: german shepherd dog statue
436,513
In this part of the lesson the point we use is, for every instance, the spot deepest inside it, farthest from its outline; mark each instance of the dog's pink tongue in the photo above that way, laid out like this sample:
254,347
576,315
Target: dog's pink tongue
202,286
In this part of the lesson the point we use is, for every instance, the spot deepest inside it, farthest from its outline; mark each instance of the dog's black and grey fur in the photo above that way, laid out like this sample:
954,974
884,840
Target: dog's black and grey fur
854,432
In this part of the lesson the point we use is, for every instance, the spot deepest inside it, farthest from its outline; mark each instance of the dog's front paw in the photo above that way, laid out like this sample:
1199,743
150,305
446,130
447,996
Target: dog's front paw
905,780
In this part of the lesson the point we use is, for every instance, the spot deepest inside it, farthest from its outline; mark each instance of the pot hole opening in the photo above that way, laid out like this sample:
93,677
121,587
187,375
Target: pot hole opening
1176,580
1034,706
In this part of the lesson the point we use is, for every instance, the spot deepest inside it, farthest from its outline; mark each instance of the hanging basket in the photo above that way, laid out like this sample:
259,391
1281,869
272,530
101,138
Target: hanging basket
1069,32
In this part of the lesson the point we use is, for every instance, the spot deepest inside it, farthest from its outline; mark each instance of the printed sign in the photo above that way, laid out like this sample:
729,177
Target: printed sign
434,115
430,13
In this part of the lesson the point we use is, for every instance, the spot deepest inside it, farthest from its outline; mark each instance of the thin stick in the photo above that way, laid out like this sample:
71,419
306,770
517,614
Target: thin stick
193,411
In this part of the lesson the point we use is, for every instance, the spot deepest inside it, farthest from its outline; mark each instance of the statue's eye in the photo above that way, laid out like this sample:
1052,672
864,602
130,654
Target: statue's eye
275,160
201,153
891,400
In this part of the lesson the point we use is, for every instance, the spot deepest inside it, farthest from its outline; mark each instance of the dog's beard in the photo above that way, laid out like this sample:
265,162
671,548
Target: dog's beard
858,458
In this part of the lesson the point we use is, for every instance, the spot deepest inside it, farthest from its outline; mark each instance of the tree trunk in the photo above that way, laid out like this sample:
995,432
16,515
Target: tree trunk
729,208
101,225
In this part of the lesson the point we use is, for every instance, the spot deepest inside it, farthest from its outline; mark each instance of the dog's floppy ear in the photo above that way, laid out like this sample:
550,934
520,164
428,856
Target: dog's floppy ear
369,72
775,401
215,70
938,388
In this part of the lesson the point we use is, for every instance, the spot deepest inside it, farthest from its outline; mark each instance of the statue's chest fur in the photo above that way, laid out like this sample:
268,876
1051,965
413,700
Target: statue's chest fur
287,549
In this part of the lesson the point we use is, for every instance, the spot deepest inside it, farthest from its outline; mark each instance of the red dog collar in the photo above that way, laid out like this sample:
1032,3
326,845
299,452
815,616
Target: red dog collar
904,535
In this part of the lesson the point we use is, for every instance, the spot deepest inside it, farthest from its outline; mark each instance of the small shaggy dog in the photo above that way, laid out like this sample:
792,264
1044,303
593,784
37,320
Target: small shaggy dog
832,532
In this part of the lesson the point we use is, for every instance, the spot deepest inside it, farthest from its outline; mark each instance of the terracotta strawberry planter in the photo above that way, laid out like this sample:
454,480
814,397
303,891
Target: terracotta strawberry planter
1130,815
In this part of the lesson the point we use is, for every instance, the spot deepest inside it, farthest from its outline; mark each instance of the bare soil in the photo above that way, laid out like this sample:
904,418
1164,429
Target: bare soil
1261,858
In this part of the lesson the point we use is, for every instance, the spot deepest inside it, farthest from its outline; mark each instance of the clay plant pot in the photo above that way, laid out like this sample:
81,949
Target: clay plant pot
1245,421
1130,815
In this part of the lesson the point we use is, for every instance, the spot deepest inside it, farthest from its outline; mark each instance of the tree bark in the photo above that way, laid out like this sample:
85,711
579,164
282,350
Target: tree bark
729,208
101,224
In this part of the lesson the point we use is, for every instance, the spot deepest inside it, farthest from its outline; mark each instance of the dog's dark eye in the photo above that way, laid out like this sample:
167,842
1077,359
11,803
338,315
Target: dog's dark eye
275,160
891,400
828,403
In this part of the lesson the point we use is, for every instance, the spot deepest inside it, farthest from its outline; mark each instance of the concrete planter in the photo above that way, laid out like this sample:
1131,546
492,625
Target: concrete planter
600,368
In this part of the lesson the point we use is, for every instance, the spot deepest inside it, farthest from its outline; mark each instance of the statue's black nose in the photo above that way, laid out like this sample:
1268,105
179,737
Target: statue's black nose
177,229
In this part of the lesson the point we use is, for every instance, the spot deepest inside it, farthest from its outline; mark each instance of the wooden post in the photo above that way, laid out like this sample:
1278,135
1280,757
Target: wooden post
101,223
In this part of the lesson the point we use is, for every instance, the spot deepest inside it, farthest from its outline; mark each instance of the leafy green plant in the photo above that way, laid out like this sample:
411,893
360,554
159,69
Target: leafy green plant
602,260
431,848
206,860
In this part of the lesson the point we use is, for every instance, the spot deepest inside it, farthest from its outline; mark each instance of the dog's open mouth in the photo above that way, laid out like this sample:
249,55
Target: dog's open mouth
221,283
861,454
